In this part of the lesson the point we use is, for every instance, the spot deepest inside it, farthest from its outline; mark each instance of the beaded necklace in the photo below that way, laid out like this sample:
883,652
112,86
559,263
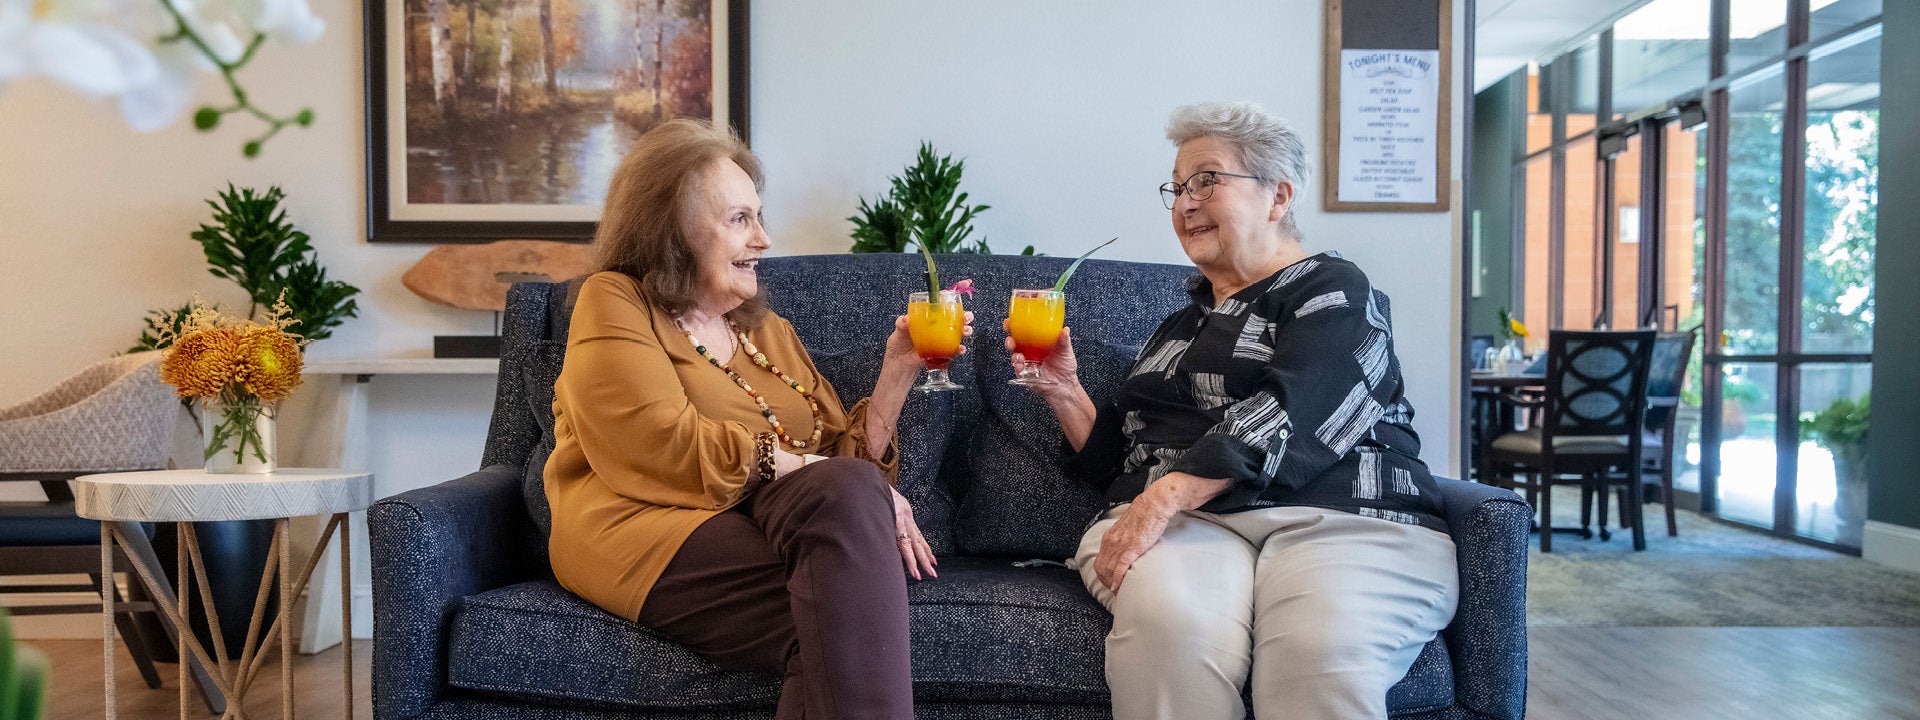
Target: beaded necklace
760,358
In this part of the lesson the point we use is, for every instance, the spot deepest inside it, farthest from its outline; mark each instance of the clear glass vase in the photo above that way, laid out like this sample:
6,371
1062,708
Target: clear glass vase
237,437
1510,360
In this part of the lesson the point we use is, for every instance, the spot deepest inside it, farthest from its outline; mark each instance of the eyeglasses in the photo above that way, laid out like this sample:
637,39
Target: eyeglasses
1199,184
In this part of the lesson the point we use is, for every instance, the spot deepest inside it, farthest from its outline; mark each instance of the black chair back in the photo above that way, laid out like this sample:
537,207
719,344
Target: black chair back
1667,376
1596,383
1478,357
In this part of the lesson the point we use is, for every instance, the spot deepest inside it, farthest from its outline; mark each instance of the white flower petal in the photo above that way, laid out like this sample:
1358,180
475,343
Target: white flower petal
68,54
157,104
136,59
290,21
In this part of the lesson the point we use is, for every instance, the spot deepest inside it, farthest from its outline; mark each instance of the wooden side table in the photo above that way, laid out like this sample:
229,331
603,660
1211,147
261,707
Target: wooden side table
190,496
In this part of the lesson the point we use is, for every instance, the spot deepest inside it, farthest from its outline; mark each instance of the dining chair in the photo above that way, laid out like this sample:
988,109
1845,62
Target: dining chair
1592,423
1665,381
1478,345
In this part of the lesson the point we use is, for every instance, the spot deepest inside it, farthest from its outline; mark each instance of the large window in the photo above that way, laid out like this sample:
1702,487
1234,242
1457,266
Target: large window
1843,162
1758,30
1731,194
1660,52
1755,128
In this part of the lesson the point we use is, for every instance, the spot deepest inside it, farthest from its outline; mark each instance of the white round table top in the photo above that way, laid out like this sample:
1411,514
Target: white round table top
194,495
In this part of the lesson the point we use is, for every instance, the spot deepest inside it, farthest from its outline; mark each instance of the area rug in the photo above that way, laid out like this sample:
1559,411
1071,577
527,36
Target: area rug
1712,575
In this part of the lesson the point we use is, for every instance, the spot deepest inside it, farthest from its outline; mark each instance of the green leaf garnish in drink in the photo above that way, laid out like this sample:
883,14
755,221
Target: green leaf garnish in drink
933,274
1061,285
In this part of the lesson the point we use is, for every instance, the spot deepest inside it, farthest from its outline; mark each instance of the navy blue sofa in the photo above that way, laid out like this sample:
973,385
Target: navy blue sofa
469,623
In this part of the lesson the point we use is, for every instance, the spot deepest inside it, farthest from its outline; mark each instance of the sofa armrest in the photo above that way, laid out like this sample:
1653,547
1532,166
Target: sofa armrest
1488,636
432,547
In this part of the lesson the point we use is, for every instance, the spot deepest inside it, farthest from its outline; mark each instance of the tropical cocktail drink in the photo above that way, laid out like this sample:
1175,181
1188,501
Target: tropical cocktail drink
936,325
1034,321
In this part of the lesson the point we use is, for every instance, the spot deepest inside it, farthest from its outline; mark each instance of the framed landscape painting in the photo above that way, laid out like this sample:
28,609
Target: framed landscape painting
497,119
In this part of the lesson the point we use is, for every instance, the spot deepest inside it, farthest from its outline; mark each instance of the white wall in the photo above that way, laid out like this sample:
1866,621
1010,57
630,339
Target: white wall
1058,108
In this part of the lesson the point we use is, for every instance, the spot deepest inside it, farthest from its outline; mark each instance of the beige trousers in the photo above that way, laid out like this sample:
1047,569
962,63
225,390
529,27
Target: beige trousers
1323,610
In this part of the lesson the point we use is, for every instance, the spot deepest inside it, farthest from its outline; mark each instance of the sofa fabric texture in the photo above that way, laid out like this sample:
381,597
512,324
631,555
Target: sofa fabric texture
470,624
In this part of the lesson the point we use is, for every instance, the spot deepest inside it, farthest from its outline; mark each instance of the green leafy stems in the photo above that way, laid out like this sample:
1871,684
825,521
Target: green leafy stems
1061,284
236,426
251,243
208,117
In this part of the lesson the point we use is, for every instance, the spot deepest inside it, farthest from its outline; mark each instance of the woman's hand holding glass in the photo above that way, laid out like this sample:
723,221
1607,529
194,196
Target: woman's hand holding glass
935,332
1059,369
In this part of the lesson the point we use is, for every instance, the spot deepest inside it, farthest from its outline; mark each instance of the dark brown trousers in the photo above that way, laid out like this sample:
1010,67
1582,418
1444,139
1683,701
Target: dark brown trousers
803,579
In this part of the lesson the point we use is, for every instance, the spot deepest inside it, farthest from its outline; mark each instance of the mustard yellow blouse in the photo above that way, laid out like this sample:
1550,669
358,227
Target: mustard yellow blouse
652,440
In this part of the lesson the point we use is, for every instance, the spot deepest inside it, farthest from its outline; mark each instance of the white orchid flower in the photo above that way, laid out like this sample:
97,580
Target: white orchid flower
148,53
157,104
75,43
289,21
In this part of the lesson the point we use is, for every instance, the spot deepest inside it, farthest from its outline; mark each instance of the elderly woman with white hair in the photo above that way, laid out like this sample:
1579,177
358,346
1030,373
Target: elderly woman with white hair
1272,520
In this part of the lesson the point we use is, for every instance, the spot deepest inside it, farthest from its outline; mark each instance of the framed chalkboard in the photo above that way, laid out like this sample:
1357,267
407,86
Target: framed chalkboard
1387,123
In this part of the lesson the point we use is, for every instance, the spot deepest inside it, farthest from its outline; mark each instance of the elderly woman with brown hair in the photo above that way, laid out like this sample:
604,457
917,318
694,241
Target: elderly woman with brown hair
706,481
1273,524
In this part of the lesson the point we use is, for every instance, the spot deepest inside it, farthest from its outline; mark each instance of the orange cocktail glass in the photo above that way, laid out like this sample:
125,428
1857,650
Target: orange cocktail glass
1034,323
936,326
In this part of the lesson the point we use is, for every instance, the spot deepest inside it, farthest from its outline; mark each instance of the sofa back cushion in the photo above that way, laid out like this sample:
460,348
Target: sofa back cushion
980,465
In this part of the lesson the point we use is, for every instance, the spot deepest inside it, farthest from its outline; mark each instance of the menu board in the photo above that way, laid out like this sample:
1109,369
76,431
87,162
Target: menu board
1388,125
1387,121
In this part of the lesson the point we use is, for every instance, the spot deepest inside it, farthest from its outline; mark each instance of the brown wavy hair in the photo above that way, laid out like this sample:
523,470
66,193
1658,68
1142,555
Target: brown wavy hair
643,227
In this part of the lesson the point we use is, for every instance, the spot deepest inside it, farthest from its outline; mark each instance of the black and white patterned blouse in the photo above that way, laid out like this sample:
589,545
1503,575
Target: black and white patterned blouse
1289,388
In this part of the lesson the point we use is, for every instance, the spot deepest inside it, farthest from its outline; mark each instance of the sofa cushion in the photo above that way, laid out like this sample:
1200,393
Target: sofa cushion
1020,503
926,432
1428,684
984,631
537,639
540,364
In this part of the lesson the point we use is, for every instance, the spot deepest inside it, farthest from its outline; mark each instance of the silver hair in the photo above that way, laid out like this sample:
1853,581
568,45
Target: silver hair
1268,145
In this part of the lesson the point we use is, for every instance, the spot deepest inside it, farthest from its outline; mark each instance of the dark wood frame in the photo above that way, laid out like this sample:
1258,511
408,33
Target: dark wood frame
1330,115
381,227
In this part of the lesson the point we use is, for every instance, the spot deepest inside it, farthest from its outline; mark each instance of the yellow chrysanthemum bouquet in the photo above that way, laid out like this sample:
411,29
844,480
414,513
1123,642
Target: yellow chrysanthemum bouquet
238,370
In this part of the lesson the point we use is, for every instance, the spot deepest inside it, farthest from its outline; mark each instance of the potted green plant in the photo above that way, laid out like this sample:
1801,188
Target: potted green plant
251,243
23,676
923,207
1842,430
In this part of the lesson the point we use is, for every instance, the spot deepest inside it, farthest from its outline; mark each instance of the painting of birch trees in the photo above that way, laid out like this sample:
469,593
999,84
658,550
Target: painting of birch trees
533,102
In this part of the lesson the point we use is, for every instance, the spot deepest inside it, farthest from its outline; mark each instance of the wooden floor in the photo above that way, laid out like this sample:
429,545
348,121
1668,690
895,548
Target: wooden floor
1702,673
77,693
1575,673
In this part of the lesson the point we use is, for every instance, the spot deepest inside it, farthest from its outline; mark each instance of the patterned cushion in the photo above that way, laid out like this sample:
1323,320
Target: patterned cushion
993,632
